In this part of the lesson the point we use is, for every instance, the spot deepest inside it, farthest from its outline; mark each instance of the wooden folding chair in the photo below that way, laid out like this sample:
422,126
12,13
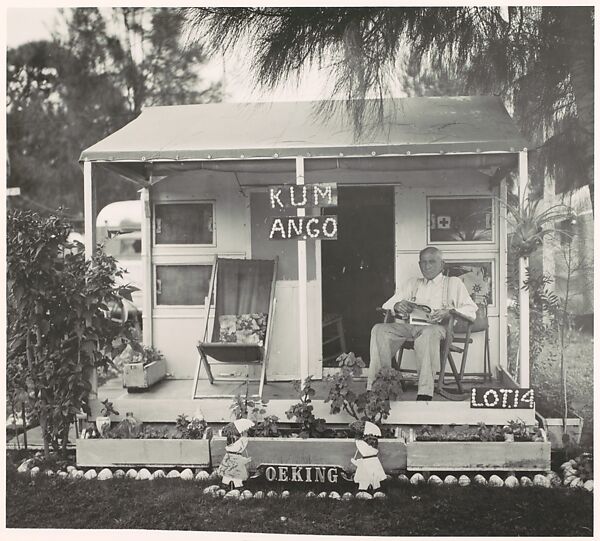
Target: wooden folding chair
237,287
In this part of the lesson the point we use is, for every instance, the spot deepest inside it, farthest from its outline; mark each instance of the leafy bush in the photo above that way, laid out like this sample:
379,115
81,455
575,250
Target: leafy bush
373,405
59,329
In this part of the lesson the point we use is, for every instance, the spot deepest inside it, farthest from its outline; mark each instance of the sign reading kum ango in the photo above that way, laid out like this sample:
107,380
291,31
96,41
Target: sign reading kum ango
303,196
502,398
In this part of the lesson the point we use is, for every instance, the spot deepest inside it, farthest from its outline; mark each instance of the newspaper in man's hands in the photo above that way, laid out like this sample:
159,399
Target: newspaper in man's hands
420,314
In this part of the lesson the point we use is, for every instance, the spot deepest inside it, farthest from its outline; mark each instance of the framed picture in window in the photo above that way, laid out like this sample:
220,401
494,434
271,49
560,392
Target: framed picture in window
460,220
185,223
478,277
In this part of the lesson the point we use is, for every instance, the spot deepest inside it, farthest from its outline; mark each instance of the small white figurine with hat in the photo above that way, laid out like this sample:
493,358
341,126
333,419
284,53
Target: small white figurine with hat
234,466
369,471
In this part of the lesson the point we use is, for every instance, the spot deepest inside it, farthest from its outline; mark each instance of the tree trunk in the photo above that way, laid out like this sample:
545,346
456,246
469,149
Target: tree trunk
65,439
44,427
43,413
578,31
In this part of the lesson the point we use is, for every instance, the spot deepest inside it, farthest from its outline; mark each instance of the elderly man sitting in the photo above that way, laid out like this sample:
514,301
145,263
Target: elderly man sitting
440,293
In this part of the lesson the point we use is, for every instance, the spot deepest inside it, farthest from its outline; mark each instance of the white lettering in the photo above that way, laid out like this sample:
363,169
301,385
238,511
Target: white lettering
308,471
293,196
496,398
296,473
505,393
283,473
319,474
275,195
529,397
297,227
326,194
516,399
332,475
277,227
333,232
270,473
315,232
474,399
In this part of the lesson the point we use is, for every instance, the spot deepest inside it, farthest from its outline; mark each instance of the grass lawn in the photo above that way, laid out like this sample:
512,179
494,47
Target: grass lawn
178,505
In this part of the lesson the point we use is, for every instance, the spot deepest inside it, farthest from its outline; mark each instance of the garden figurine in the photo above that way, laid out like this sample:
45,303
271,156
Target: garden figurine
369,471
234,466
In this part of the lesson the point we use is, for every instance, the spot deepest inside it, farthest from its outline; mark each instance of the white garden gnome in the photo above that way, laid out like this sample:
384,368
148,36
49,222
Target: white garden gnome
234,466
369,471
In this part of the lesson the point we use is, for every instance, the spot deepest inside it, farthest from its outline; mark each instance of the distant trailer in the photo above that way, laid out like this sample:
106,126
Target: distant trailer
119,217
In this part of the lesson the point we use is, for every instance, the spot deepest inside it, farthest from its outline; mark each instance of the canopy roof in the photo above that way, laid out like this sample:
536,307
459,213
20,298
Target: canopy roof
474,124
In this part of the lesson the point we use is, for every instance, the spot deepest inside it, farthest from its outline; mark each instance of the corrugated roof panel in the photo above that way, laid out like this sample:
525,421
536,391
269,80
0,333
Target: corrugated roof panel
289,129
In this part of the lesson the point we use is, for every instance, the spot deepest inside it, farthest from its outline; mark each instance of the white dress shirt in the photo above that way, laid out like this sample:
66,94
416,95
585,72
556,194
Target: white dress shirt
431,293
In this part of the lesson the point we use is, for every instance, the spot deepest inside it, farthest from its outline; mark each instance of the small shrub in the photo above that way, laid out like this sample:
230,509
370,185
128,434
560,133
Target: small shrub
489,433
108,409
373,405
190,429
267,428
244,407
302,412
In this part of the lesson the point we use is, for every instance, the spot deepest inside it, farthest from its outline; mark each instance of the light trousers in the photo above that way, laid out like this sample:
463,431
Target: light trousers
386,340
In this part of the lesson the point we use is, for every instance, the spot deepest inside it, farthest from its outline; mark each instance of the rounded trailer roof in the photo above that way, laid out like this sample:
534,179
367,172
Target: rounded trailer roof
121,215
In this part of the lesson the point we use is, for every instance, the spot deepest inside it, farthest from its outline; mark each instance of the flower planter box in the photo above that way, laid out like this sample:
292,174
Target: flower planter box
139,452
554,430
137,376
317,451
478,456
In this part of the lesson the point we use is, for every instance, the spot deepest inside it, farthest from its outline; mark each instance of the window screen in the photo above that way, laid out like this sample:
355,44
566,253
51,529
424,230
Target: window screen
182,284
185,223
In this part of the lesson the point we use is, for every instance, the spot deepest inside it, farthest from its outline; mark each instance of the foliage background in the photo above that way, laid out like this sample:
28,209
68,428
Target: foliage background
67,93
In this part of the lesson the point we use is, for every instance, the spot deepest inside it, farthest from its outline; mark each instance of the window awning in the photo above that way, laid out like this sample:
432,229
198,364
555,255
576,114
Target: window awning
280,130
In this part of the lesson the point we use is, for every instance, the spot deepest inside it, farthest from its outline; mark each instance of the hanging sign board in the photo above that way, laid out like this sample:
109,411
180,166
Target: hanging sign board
303,228
297,196
302,473
496,398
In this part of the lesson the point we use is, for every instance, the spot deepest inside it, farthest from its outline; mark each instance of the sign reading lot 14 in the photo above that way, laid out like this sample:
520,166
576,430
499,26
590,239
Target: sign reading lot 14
303,196
502,398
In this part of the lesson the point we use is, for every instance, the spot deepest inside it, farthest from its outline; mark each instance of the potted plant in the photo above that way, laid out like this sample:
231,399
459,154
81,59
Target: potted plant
143,367
103,420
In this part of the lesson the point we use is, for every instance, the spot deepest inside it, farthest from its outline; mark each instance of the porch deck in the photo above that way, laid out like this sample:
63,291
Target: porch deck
170,398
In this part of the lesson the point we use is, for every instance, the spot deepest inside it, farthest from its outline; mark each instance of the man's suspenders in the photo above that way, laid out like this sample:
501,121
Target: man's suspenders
445,290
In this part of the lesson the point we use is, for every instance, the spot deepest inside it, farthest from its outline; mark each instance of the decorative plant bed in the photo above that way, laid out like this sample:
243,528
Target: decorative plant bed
478,456
317,451
142,452
139,377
